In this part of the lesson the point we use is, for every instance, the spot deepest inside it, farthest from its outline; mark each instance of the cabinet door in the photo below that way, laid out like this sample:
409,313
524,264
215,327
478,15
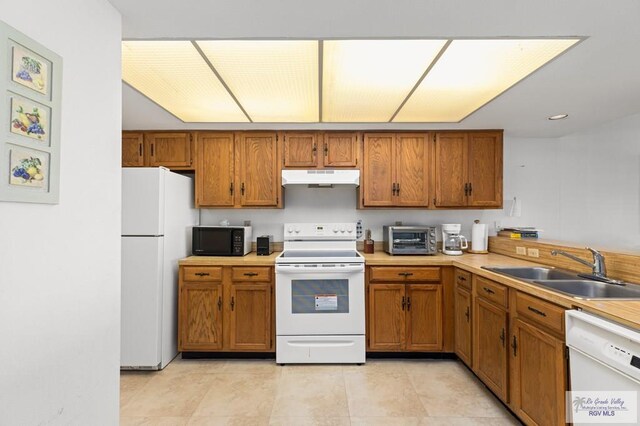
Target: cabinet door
386,317
411,169
214,170
340,150
490,346
538,375
200,316
378,179
132,150
463,324
424,317
250,316
259,171
451,169
300,150
485,169
169,149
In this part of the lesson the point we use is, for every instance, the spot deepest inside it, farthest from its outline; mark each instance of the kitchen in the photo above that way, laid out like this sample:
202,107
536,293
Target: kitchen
577,178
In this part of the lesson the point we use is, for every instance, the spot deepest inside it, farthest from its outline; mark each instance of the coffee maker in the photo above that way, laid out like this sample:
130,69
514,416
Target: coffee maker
452,241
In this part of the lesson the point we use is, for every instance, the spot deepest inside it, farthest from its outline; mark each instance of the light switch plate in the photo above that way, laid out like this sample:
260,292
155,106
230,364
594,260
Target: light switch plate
533,252
521,250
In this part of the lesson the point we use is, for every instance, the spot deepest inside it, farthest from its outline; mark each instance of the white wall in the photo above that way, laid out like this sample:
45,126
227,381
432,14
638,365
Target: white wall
60,264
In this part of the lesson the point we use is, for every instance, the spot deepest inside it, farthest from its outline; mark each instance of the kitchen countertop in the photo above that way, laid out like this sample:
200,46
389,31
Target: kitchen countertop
624,312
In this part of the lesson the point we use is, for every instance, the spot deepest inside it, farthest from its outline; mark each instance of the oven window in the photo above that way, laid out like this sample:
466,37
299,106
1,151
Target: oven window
320,296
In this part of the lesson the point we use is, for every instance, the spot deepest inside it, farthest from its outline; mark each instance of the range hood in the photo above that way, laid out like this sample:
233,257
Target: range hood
321,177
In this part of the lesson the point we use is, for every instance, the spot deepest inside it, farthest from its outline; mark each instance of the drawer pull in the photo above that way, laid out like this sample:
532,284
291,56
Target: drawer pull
461,278
536,311
514,345
405,274
488,290
466,314
250,274
202,274
403,302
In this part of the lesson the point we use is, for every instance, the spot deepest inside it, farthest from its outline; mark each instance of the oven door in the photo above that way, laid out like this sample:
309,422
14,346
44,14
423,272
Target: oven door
320,299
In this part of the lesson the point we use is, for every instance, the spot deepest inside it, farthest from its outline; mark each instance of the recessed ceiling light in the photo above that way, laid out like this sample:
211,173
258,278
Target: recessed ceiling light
558,117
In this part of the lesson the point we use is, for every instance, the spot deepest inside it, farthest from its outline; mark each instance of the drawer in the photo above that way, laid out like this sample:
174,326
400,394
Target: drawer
202,273
463,278
403,274
540,311
491,291
251,273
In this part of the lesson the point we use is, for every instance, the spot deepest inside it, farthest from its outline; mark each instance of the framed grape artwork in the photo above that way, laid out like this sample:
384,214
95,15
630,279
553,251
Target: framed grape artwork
30,90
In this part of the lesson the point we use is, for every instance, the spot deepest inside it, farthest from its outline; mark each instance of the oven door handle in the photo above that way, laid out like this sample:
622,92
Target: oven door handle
320,269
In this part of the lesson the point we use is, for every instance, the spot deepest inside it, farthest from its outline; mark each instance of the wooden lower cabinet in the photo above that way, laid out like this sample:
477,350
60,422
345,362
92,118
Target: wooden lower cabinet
217,313
463,324
424,317
538,375
200,316
386,317
490,346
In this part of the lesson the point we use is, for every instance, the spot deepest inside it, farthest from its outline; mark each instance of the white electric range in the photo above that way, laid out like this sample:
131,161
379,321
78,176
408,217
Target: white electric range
320,312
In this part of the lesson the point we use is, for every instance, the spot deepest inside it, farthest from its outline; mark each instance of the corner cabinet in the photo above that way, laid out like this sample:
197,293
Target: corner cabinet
395,170
405,309
468,169
174,150
226,309
238,170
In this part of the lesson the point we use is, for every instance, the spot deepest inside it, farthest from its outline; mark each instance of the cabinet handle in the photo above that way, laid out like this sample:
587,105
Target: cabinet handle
461,278
242,189
408,303
470,188
488,290
403,302
397,189
250,274
502,337
314,149
231,188
466,189
140,149
202,274
536,311
466,314
219,303
393,189
233,303
326,150
152,154
514,345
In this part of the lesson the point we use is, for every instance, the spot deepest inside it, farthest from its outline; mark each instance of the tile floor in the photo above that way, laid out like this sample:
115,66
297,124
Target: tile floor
258,392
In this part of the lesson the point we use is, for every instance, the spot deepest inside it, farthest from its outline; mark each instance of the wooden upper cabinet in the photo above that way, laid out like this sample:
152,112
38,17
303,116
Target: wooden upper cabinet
386,316
451,169
411,169
424,317
340,149
172,150
485,169
259,172
200,316
250,316
300,149
215,170
378,179
132,149
468,169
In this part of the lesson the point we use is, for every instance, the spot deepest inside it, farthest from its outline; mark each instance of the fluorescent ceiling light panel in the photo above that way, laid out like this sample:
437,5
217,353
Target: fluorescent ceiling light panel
274,81
367,80
175,76
471,73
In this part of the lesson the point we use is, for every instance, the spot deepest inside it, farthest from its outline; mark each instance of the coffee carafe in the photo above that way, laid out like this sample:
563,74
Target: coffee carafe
452,242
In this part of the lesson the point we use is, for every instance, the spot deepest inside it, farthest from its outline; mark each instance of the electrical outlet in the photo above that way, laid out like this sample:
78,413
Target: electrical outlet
497,225
533,252
521,250
359,228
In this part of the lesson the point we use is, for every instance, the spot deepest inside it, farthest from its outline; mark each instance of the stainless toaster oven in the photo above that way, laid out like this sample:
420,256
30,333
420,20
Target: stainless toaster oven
409,239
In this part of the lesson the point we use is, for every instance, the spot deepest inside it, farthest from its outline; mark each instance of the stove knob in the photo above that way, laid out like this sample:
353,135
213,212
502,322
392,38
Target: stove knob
297,230
335,229
342,229
349,230
290,230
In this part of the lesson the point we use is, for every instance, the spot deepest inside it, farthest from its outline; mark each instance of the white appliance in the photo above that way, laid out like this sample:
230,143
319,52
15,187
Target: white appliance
452,242
603,356
324,177
157,216
320,303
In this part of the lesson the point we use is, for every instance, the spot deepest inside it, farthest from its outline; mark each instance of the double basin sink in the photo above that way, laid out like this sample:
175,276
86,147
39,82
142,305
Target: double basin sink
570,283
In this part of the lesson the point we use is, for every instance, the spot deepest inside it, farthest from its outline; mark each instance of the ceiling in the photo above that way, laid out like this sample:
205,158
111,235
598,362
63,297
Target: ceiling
594,83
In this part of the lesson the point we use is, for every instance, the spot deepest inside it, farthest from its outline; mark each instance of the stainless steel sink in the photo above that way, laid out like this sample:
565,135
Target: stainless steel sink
587,289
533,273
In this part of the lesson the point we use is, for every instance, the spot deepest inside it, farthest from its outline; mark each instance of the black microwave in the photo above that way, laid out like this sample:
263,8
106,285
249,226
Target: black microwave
221,240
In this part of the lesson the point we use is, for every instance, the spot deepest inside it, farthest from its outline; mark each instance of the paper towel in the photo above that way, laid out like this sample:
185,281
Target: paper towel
479,235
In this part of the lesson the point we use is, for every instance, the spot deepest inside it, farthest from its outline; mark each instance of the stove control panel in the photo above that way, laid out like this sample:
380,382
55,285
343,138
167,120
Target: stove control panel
341,231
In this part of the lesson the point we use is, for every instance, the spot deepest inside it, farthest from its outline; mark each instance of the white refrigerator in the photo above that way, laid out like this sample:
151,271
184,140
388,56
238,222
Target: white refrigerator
157,216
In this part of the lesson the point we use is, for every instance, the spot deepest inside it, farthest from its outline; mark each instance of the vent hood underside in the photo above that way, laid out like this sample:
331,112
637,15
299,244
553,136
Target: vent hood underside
321,177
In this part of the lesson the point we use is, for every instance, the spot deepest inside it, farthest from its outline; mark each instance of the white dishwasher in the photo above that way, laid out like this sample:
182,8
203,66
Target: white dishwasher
605,370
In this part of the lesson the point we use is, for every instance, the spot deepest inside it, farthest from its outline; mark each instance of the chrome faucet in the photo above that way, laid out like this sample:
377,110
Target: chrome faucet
598,268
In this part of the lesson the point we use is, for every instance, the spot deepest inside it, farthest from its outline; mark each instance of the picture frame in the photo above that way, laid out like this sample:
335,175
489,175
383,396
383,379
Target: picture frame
31,91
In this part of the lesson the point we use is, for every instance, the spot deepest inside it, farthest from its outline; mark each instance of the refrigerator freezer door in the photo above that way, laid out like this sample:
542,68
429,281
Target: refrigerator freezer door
143,201
141,297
